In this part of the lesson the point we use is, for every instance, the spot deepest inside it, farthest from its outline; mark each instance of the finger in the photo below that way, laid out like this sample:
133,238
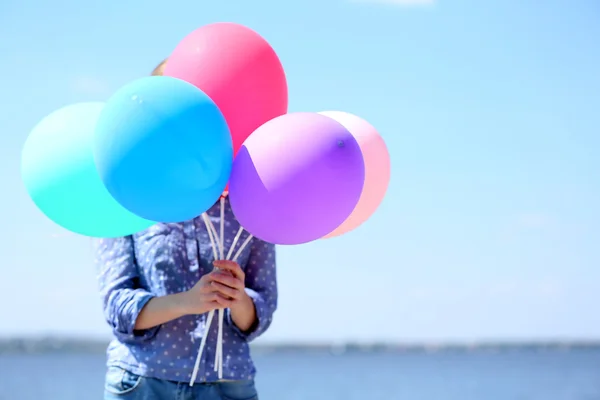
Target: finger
230,266
212,305
215,297
206,279
226,290
227,280
209,289
223,301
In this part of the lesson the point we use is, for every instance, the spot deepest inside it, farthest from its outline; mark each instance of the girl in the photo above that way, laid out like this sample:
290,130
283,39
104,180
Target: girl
157,287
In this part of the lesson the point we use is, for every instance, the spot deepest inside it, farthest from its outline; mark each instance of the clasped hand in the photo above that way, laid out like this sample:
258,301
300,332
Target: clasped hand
222,288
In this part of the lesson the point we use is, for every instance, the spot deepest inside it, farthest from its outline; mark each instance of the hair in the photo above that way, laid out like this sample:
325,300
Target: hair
158,71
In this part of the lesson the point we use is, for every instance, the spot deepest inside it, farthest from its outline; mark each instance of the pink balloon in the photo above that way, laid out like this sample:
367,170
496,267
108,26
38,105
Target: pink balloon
238,70
377,169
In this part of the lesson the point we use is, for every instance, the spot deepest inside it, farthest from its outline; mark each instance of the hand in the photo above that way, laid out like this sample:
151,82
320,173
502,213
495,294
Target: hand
229,281
204,297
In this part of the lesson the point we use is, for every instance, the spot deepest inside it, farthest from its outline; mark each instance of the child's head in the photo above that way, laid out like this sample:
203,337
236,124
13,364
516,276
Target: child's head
158,71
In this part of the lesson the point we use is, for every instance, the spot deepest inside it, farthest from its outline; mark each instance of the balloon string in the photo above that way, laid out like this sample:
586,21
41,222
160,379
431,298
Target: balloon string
211,234
234,243
242,247
211,314
202,345
218,248
219,352
222,230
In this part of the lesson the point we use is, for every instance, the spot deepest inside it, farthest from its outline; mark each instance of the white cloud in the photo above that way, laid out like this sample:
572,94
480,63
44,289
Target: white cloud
89,85
403,3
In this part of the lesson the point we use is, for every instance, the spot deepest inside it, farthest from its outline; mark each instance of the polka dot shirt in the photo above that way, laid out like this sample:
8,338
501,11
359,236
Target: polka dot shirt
171,258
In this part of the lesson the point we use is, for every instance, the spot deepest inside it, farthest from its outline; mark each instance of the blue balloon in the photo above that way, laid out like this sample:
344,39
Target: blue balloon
163,149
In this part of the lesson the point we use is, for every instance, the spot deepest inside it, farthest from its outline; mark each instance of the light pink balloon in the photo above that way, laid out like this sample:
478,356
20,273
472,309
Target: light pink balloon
377,169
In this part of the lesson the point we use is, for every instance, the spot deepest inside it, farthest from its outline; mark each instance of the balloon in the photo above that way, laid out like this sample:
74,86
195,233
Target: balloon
58,170
163,149
377,169
238,69
296,178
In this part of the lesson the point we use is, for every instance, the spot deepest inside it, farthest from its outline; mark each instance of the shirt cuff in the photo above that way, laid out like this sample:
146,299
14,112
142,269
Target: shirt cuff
261,318
130,312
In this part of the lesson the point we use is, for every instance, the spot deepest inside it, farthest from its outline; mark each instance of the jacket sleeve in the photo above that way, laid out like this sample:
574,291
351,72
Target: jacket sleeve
122,297
261,286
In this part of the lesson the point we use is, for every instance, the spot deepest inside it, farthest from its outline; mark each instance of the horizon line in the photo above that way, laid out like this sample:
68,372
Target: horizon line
339,343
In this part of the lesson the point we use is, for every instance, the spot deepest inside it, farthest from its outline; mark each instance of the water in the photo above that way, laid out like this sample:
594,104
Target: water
509,375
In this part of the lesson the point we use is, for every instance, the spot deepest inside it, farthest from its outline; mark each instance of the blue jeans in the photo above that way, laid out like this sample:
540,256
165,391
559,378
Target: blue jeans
124,385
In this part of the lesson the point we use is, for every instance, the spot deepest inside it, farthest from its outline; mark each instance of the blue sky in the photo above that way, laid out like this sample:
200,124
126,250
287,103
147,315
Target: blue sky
491,111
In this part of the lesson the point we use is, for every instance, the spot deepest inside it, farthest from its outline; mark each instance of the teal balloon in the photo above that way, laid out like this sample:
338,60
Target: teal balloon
59,173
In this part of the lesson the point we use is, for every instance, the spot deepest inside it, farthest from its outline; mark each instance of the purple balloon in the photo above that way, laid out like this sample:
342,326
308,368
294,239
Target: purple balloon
296,178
